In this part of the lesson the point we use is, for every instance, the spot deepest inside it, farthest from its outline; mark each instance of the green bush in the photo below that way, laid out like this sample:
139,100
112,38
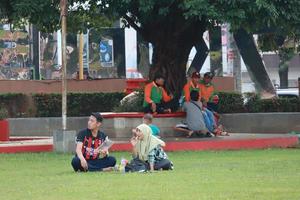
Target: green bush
280,105
252,104
135,104
14,103
3,113
230,102
78,104
255,104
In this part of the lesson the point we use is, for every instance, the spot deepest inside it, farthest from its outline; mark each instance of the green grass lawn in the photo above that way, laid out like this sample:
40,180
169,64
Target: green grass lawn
256,174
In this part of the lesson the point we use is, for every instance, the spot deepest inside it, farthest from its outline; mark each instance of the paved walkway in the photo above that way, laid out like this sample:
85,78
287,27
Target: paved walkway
234,141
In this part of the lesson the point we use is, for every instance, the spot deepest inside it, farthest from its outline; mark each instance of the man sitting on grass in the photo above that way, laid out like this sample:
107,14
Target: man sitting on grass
88,148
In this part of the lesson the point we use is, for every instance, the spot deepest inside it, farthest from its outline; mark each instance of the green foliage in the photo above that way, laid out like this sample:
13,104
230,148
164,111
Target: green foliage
3,113
14,103
255,104
230,102
78,104
45,14
47,105
133,105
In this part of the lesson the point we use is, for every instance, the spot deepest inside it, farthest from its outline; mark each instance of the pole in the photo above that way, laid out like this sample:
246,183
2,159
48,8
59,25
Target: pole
81,56
299,86
63,14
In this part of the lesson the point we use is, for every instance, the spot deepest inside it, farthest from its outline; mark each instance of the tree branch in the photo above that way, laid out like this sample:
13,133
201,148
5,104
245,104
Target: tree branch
133,24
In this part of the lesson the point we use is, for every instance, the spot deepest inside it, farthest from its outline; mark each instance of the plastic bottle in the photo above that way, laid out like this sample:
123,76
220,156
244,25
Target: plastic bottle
123,165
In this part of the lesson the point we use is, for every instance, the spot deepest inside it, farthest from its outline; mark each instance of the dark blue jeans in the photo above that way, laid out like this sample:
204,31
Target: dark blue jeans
94,165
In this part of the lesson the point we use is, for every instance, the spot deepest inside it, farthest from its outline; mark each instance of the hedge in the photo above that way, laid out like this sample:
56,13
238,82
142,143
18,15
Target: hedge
15,103
82,104
255,104
78,104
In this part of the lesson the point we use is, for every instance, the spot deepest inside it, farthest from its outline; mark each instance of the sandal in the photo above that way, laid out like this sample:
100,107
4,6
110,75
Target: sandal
190,134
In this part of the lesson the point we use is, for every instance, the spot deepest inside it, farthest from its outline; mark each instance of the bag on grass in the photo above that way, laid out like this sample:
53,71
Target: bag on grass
136,165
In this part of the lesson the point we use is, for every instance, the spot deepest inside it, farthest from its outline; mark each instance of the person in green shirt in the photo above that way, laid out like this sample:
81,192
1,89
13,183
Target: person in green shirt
156,97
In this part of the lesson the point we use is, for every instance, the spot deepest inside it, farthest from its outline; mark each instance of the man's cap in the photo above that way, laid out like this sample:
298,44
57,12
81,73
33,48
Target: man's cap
209,75
98,116
195,75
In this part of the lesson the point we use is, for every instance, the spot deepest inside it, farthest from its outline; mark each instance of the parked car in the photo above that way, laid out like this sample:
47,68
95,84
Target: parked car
288,92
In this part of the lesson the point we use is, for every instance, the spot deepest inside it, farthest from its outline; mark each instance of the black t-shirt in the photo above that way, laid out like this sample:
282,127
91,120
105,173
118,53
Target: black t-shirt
90,143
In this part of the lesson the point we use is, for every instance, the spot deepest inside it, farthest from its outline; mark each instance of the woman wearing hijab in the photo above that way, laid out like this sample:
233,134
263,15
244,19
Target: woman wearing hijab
148,148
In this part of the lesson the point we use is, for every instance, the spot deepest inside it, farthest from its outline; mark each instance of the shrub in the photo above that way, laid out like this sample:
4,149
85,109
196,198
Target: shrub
230,102
3,113
133,104
256,104
252,104
79,104
15,104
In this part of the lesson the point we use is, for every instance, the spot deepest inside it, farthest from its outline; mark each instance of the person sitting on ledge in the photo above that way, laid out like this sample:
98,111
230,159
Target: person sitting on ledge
88,148
156,99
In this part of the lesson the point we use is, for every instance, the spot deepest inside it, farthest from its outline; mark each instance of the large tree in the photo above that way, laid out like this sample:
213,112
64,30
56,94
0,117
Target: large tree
175,26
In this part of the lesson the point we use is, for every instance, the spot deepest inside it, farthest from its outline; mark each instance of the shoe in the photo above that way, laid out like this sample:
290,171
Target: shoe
171,166
208,134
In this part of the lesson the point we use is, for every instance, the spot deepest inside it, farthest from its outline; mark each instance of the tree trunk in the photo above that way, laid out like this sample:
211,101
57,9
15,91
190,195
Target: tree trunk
285,56
199,59
254,64
215,49
143,64
283,77
170,59
234,62
34,48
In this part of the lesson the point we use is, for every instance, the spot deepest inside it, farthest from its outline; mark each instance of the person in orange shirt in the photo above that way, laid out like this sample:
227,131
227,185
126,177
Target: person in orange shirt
156,97
210,101
192,85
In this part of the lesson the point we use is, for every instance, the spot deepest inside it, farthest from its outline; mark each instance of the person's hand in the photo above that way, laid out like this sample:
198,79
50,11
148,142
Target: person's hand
133,141
103,153
84,164
153,107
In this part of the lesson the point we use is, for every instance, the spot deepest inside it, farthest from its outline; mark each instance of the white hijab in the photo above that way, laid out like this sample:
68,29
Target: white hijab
148,143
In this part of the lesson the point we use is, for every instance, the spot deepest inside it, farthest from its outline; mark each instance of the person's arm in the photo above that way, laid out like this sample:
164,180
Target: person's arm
148,93
165,96
200,97
104,150
151,159
133,142
163,144
80,155
186,92
147,97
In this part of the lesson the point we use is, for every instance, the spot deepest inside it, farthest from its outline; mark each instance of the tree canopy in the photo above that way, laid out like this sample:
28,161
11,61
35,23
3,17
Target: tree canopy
172,26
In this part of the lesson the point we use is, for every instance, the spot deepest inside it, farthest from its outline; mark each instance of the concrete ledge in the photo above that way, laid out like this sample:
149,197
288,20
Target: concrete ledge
261,122
64,140
120,125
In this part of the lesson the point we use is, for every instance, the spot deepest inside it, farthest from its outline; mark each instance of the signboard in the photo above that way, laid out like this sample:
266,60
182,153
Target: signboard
106,53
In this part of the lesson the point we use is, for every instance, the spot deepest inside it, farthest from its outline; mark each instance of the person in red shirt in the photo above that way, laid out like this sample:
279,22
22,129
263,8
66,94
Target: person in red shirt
89,154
